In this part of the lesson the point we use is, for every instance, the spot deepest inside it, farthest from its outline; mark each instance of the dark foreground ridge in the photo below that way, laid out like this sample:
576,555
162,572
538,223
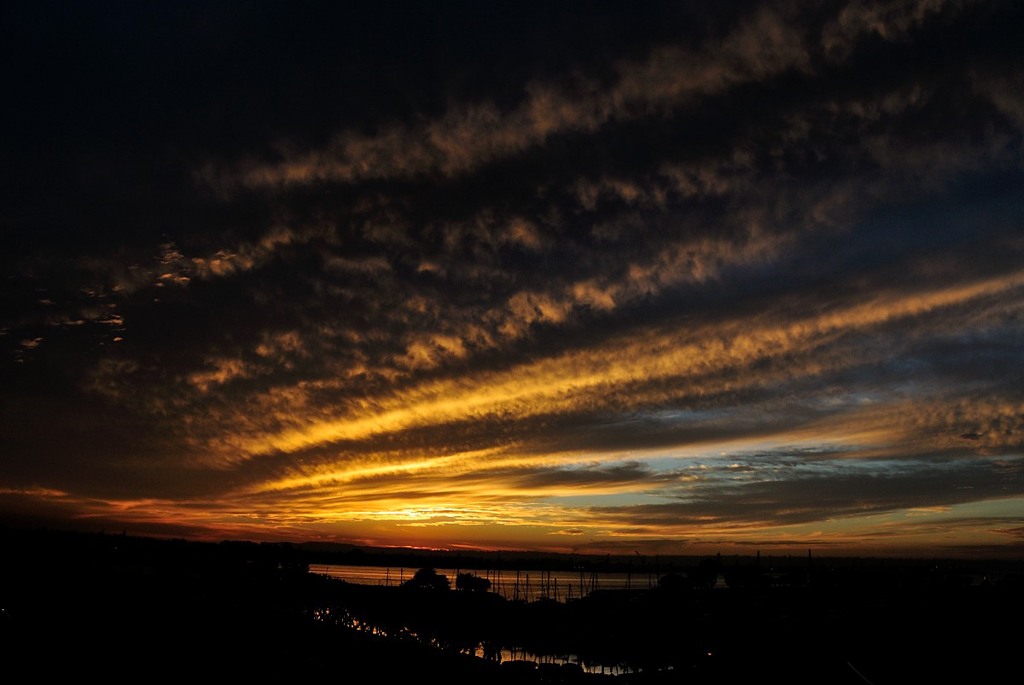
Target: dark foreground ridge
122,608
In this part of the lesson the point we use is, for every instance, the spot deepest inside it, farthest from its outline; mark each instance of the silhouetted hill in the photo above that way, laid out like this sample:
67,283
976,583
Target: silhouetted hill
122,608
126,609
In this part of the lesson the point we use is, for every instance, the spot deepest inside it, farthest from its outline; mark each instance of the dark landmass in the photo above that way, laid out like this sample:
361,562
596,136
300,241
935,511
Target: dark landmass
513,560
122,608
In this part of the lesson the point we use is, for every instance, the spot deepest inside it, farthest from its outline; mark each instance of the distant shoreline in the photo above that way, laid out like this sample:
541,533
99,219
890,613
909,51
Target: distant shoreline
512,560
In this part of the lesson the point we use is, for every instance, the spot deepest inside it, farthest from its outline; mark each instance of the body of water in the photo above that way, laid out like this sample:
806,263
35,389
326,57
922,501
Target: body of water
523,585
527,586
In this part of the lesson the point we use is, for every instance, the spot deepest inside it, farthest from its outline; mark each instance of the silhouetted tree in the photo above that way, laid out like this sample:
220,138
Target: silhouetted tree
472,583
429,578
705,573
673,582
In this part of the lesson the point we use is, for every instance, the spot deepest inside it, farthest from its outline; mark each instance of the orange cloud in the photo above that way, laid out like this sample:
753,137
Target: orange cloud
634,370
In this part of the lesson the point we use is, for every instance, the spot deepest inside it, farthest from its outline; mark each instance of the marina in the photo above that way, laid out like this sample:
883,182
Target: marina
521,585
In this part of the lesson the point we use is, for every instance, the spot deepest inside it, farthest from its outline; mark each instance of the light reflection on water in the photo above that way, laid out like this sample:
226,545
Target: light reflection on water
557,660
527,586
501,655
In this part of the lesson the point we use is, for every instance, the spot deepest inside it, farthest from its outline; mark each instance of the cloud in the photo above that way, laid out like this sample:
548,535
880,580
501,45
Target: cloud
469,135
899,506
222,371
892,21
998,88
681,367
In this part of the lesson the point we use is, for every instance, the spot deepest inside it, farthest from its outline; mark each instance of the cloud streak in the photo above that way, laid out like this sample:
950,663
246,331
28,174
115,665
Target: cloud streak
470,135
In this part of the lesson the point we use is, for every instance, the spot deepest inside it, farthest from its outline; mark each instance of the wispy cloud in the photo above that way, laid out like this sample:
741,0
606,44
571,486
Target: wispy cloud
469,135
674,365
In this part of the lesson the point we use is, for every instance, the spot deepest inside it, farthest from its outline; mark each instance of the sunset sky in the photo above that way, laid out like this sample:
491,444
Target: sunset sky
611,277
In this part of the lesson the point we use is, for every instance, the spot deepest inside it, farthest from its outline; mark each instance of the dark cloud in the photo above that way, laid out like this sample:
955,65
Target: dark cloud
803,492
